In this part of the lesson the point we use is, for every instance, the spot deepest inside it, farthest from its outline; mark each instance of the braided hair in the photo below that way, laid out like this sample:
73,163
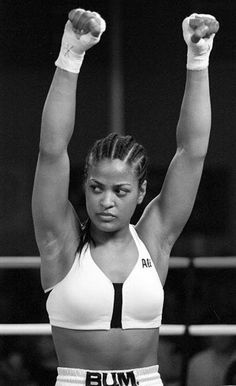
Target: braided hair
114,146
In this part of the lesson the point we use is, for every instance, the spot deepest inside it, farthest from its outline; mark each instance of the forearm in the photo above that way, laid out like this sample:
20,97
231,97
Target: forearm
194,124
82,31
59,113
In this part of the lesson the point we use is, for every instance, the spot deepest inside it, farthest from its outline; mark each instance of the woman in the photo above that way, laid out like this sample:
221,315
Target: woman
106,278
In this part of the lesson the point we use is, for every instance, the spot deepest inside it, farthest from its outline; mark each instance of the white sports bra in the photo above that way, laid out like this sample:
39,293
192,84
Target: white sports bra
87,300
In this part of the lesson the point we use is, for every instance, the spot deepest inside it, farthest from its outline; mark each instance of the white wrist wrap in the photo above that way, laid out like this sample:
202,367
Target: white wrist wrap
198,53
68,61
73,47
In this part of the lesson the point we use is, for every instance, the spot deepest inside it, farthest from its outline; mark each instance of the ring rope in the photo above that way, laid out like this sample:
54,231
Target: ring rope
175,262
165,329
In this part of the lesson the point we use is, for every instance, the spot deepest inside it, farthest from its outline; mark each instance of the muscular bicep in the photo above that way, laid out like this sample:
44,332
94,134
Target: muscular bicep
167,214
53,215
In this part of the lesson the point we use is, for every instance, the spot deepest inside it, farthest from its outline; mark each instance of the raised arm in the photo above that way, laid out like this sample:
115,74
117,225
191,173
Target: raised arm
56,224
165,217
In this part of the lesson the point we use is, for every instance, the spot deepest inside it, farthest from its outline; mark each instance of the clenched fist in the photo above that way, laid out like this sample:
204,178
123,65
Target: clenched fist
82,31
199,31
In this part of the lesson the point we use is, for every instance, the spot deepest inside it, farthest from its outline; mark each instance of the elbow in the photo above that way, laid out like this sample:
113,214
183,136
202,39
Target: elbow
52,148
198,154
194,154
196,150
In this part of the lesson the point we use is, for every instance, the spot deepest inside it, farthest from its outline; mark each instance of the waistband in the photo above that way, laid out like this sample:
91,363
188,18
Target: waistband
144,376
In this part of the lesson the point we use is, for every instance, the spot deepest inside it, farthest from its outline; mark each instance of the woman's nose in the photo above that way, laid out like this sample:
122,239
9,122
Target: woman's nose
107,200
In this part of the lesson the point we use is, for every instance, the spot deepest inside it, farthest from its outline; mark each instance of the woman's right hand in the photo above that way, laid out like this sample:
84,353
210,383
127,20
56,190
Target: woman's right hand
82,31
85,29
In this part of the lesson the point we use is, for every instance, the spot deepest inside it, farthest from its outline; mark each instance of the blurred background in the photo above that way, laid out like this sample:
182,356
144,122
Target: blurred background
133,81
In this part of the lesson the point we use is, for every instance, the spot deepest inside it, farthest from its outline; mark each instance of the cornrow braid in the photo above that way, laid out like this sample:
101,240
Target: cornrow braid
115,146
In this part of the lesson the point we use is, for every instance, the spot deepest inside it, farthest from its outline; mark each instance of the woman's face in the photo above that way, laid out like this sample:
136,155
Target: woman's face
112,194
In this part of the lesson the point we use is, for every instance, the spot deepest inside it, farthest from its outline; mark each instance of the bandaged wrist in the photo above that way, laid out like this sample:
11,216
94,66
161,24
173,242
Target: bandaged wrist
68,60
72,52
198,57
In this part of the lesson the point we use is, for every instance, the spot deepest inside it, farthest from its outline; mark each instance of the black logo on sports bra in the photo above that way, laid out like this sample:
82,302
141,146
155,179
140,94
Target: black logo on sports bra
146,263
118,379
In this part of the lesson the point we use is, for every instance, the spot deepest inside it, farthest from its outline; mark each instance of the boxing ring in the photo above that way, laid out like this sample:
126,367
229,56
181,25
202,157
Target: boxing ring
32,262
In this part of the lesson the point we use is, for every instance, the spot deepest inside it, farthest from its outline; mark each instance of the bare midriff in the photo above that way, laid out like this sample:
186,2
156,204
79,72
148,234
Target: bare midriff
113,349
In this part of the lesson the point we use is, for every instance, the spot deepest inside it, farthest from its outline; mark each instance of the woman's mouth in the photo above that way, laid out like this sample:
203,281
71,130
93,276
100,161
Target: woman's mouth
106,215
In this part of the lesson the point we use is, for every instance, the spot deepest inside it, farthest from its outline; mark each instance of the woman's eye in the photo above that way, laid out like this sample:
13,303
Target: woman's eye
121,192
95,189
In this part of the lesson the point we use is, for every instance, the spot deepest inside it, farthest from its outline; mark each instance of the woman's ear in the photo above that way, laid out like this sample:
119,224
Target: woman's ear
142,192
